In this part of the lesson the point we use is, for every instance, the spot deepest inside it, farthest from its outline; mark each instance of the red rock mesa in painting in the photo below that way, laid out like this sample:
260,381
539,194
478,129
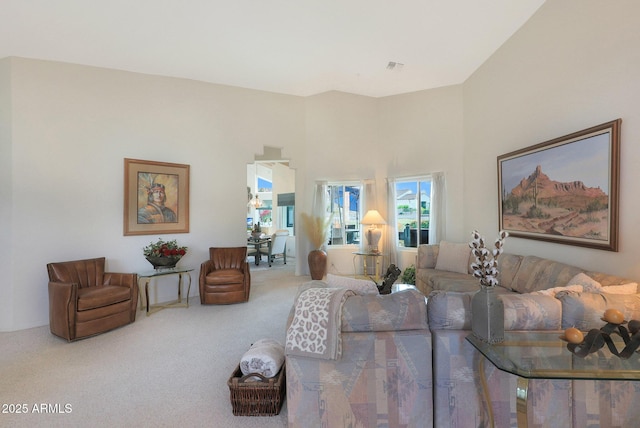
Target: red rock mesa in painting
539,204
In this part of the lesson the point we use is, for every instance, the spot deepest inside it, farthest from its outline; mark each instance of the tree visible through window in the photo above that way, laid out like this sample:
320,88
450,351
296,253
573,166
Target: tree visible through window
413,206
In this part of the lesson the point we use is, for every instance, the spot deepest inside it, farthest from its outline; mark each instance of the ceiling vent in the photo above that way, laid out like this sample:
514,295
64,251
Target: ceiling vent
395,66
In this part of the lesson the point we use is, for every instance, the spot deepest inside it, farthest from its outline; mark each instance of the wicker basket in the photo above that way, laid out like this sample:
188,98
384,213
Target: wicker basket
262,397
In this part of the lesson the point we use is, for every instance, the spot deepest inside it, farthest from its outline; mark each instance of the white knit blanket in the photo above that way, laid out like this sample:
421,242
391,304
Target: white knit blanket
315,328
265,357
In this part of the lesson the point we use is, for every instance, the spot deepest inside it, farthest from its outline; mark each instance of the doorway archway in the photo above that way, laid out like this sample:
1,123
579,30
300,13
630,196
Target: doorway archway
271,195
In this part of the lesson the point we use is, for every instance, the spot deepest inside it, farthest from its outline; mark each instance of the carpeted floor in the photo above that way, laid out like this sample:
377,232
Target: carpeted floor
169,369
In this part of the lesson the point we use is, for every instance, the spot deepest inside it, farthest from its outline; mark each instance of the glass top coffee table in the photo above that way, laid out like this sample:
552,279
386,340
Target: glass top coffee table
543,355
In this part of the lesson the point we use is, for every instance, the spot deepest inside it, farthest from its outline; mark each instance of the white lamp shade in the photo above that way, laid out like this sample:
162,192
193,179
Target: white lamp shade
373,217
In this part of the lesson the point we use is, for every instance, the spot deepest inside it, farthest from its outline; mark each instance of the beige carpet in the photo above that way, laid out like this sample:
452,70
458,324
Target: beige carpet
166,370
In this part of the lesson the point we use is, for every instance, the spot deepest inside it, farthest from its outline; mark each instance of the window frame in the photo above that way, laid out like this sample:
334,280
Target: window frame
419,215
355,233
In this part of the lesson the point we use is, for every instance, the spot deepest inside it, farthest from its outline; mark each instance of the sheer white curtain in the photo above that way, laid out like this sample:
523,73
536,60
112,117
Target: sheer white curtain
318,205
438,206
392,224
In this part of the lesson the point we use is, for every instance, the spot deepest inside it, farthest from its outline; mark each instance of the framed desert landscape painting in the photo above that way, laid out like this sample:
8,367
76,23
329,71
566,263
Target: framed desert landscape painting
565,190
156,197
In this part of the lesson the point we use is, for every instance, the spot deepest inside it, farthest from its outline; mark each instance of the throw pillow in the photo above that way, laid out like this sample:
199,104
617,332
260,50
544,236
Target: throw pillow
592,286
589,284
427,256
630,288
360,286
453,257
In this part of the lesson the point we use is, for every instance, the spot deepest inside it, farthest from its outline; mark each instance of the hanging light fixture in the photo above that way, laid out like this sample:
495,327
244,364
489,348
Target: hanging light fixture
255,202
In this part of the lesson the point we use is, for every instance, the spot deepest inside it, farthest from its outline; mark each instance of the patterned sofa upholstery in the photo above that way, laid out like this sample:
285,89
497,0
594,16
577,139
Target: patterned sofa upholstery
458,401
383,376
398,371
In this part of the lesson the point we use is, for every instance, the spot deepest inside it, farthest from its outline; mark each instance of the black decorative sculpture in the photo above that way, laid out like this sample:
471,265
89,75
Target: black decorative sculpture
389,278
595,339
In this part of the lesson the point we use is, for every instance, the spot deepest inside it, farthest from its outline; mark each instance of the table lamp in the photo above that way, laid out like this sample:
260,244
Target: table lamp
373,234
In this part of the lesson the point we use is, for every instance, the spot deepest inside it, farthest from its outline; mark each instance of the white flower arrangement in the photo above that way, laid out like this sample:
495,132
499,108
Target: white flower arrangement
485,267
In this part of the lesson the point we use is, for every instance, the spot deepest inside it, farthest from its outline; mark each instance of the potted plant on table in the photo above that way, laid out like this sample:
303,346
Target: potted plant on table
409,275
317,231
164,254
256,233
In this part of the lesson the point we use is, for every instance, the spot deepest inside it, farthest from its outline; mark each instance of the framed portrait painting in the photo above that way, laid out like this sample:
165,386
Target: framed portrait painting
565,190
156,197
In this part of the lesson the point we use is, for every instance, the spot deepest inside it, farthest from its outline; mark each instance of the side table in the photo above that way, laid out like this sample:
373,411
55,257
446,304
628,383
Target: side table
146,277
542,355
377,258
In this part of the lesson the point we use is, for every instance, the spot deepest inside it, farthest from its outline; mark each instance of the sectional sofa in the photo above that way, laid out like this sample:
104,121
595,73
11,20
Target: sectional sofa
383,374
405,363
538,294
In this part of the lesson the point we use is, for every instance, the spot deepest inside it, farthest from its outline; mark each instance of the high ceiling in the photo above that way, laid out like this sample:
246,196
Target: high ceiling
301,47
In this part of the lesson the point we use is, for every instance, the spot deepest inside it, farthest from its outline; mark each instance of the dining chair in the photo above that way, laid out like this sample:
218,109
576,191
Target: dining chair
277,246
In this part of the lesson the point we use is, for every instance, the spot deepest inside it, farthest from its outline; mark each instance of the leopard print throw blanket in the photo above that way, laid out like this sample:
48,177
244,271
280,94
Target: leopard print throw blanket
315,328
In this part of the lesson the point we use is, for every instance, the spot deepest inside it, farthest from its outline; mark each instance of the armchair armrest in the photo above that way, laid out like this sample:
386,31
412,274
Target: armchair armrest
245,268
124,279
206,267
427,256
62,307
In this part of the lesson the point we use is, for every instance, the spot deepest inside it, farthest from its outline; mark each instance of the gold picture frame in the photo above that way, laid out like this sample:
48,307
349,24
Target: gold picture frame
565,190
156,197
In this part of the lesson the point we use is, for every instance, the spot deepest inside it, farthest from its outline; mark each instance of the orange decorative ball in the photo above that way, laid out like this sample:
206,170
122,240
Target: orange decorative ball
613,316
573,335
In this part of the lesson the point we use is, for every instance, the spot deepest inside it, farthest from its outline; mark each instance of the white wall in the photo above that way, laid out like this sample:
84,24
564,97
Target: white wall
6,192
342,144
574,65
422,132
72,126
65,130
353,137
284,181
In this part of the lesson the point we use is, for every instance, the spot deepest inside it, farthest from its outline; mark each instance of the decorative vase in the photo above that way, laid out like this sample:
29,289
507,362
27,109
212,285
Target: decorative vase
256,235
163,262
487,315
317,264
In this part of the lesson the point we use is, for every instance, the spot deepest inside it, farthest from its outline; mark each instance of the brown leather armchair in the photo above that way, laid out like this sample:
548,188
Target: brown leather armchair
84,300
225,277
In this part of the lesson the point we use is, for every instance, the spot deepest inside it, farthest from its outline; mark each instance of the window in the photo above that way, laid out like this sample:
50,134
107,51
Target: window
264,212
286,211
264,186
413,205
344,205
